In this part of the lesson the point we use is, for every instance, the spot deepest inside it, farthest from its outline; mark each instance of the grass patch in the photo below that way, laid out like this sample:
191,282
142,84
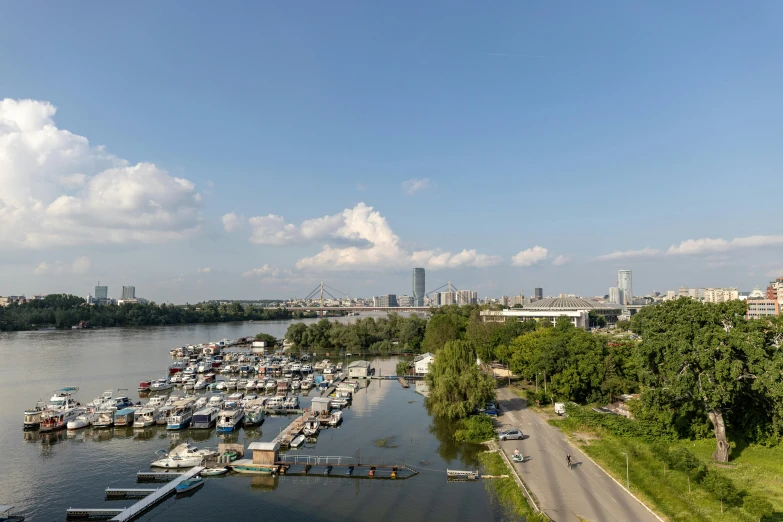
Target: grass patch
505,491
388,442
756,471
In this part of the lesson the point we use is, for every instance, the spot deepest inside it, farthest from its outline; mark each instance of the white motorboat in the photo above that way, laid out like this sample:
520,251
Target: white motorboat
165,412
176,378
100,401
213,472
298,441
242,384
229,420
58,419
222,385
338,402
82,421
270,385
296,384
161,385
311,426
235,397
156,402
145,417
63,395
336,418
291,402
274,403
254,413
216,401
232,384
307,384
32,416
200,403
185,455
200,385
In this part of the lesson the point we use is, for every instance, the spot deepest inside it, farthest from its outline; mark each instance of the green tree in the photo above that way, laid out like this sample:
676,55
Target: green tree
457,385
721,488
296,333
758,506
623,325
441,329
270,339
698,351
402,368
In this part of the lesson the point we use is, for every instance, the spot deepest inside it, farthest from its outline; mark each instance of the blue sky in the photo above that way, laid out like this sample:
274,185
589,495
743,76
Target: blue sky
558,143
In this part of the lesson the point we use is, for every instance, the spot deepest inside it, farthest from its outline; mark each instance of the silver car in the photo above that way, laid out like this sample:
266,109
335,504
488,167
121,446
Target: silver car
510,435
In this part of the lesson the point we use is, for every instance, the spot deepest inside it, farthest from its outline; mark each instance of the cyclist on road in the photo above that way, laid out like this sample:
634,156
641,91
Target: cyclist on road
568,460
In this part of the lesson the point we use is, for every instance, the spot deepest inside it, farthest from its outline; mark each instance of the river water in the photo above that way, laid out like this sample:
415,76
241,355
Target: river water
44,474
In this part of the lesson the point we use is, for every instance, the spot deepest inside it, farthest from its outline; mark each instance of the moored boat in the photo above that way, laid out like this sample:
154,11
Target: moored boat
124,417
32,416
190,484
105,418
228,420
82,421
205,418
298,441
185,455
311,426
145,417
336,418
213,472
144,386
181,415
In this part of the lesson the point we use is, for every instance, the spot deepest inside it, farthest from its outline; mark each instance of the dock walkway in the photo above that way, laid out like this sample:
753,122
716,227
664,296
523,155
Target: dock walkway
153,499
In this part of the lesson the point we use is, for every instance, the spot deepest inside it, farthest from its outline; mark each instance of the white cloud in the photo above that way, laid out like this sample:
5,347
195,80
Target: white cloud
560,260
81,265
530,256
55,188
775,273
232,222
629,254
708,245
377,246
264,271
414,185
204,270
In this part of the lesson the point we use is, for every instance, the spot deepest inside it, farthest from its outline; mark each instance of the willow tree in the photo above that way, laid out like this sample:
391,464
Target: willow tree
699,353
457,384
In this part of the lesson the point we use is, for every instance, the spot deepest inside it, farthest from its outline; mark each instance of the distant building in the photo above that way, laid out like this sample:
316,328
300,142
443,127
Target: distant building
625,284
614,295
422,363
466,297
720,295
758,308
538,293
418,287
577,310
405,300
101,292
670,295
128,292
386,300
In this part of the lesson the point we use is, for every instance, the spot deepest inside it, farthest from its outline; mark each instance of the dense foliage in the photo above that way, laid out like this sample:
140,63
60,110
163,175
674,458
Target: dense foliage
394,334
64,311
457,385
475,429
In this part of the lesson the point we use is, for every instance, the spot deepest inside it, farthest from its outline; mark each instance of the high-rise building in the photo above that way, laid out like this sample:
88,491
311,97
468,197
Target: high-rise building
671,295
101,292
538,293
614,295
625,284
128,292
387,300
418,287
404,300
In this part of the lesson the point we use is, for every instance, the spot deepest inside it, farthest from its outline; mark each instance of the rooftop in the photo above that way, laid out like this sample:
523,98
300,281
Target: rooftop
359,364
264,446
567,303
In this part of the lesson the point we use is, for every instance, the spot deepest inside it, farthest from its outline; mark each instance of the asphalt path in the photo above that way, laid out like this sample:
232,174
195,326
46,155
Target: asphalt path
564,494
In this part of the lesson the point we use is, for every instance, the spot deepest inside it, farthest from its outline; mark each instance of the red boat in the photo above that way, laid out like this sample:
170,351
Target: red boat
145,385
177,367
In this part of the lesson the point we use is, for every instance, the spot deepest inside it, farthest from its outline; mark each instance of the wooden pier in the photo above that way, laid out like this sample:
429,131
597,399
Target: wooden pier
122,493
156,476
155,498
341,467
403,382
285,436
87,513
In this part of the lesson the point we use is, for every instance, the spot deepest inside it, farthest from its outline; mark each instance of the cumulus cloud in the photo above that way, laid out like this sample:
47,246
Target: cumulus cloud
372,243
530,256
618,255
56,188
81,265
414,185
560,260
232,222
264,271
708,245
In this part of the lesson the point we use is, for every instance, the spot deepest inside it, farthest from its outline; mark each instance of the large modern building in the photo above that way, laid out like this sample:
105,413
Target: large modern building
614,295
128,292
404,300
101,292
538,293
418,287
385,300
575,308
758,308
625,284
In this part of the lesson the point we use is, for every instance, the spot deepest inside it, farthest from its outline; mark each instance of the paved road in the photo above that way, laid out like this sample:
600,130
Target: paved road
564,494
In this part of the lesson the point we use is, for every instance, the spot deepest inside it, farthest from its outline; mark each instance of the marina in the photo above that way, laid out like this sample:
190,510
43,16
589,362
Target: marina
340,432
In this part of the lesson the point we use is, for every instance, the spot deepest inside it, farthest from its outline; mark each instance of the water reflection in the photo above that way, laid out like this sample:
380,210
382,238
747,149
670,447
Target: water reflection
449,449
264,482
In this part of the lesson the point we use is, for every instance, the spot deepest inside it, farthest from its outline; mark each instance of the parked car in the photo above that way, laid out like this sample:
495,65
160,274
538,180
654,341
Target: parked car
510,435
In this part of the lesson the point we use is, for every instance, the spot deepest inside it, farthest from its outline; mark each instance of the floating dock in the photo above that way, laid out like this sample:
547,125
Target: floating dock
155,498
403,382
156,476
86,514
122,493
341,467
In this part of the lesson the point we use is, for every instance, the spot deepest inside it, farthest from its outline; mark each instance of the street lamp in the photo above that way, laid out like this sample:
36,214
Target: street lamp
627,480
537,382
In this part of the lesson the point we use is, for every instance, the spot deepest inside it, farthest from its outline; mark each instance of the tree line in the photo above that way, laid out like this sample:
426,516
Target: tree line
64,311
393,334
700,369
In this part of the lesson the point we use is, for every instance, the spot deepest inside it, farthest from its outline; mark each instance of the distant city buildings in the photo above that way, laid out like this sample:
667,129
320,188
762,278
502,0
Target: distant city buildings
758,308
101,292
720,295
625,284
128,292
615,295
538,293
418,287
405,300
385,301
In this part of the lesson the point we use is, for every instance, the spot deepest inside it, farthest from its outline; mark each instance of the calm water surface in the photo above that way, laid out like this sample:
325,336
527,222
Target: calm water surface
43,474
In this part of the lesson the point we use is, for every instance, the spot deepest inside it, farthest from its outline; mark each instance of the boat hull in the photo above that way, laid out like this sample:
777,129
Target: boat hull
178,425
246,467
226,429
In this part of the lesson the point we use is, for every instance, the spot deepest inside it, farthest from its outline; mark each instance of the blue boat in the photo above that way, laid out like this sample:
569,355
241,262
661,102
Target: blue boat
189,485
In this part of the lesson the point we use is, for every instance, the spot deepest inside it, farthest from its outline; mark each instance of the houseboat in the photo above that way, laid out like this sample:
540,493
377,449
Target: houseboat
181,415
105,418
145,417
205,418
32,417
229,420
124,417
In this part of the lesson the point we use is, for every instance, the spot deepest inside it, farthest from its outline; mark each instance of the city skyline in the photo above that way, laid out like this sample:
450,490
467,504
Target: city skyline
472,158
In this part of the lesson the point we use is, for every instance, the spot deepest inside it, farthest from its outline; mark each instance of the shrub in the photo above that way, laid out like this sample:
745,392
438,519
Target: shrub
477,428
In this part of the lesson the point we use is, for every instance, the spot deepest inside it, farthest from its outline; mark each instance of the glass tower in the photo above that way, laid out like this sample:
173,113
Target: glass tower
418,287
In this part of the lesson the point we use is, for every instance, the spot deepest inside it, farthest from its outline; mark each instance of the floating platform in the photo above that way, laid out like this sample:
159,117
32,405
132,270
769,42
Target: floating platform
403,382
121,493
156,476
153,499
87,514
455,474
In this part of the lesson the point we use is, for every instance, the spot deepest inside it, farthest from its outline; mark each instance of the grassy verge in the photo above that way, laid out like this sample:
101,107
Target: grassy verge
755,471
505,491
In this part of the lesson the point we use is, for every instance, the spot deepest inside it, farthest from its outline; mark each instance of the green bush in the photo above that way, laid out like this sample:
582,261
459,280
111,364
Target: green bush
476,429
619,425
